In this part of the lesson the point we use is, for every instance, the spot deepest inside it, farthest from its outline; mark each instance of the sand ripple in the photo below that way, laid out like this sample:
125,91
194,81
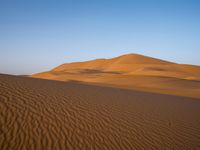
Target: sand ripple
42,114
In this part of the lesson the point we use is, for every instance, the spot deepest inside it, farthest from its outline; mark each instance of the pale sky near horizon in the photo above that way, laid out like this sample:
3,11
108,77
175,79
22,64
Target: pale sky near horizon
37,35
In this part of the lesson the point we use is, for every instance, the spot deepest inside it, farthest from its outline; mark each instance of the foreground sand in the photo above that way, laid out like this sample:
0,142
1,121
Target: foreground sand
43,114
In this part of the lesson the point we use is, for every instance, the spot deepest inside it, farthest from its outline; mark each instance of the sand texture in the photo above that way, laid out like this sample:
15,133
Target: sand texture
42,114
132,71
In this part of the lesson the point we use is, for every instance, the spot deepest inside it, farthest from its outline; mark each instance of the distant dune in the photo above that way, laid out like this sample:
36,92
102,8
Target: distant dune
49,115
132,71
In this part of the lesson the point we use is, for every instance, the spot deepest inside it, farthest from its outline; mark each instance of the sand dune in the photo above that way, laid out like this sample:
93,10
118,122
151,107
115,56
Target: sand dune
133,71
44,114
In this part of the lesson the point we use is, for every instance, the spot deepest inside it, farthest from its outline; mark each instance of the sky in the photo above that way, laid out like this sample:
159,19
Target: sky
38,35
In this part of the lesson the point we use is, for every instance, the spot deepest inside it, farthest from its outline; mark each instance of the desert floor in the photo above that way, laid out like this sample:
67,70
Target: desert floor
44,114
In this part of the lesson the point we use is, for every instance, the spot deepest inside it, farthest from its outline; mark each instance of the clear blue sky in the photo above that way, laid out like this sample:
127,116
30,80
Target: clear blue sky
36,35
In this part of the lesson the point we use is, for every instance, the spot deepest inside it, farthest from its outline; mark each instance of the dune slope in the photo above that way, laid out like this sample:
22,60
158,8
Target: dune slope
132,71
44,114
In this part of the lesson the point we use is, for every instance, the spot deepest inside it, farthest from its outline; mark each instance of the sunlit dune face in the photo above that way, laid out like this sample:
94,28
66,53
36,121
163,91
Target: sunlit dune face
132,71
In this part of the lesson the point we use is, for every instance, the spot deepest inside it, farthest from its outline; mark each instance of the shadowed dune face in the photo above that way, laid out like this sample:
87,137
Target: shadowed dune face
43,114
132,71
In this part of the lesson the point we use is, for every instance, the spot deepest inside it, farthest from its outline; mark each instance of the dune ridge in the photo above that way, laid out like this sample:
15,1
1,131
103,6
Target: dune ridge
45,114
132,71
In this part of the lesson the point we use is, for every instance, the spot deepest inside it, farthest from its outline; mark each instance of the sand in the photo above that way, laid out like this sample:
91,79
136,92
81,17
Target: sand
44,114
132,71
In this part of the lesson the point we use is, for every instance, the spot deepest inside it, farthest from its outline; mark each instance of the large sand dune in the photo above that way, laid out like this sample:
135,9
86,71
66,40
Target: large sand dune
133,71
44,114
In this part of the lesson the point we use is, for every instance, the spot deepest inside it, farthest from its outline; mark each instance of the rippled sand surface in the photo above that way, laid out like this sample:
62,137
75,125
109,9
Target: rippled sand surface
43,114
